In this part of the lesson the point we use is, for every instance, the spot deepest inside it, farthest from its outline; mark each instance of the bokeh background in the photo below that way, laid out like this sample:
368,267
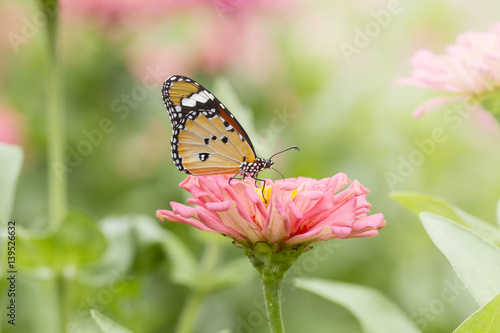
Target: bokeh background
316,74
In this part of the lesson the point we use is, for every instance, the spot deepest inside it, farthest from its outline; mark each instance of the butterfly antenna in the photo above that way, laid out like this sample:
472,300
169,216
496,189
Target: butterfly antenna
282,177
284,150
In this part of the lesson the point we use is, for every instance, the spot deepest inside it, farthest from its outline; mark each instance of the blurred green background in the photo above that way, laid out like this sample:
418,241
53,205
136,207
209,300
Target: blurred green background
281,69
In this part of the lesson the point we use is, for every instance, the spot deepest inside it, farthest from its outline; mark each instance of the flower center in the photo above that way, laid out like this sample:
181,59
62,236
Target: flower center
265,195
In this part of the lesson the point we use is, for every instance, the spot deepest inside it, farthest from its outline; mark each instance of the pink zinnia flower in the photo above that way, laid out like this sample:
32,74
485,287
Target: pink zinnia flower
290,212
469,69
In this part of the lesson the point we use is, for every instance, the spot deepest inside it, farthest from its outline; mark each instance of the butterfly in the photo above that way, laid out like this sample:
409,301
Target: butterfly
206,138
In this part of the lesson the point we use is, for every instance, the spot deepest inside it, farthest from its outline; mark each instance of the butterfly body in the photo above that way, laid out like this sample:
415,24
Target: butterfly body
206,137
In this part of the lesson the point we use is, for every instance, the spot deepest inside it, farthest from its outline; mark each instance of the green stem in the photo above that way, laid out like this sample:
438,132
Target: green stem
191,307
272,262
62,292
56,173
56,176
272,295
189,312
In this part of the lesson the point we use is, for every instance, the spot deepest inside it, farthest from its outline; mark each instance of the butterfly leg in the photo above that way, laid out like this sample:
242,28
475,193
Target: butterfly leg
263,187
234,177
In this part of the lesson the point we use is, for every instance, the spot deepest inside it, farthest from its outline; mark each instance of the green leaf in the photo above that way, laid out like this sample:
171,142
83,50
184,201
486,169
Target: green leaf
481,228
484,320
490,101
107,325
475,261
184,266
235,272
77,241
375,312
11,160
419,202
498,212
119,256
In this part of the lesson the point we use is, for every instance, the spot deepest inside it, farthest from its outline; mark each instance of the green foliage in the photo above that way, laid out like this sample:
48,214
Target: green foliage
484,320
498,212
491,102
288,84
11,159
476,262
375,312
419,202
77,241
107,325
467,242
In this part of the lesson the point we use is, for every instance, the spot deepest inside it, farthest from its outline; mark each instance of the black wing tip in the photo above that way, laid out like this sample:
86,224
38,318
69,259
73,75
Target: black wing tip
177,77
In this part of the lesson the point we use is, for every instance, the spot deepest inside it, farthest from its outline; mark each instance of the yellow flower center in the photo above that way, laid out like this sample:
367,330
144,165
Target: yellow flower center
265,195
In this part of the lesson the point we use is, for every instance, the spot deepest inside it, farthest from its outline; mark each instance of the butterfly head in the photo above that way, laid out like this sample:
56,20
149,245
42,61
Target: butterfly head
268,164
252,169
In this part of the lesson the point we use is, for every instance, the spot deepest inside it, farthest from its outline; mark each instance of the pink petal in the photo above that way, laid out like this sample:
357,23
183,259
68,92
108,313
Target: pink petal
172,217
342,216
212,221
325,204
295,216
277,224
233,220
375,221
435,103
313,235
219,206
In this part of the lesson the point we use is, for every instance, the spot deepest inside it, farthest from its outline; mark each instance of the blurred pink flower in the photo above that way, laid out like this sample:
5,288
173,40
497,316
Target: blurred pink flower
469,69
12,127
122,13
118,12
290,212
218,36
211,47
168,36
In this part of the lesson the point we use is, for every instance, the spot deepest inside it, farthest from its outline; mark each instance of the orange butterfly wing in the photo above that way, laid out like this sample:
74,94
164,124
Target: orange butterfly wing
206,138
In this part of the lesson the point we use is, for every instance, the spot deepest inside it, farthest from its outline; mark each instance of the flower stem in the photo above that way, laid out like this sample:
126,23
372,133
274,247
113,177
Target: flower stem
62,299
272,295
272,263
191,307
55,120
189,312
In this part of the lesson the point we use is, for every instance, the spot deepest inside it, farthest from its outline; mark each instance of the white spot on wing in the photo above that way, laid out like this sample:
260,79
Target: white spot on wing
199,98
188,102
206,94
